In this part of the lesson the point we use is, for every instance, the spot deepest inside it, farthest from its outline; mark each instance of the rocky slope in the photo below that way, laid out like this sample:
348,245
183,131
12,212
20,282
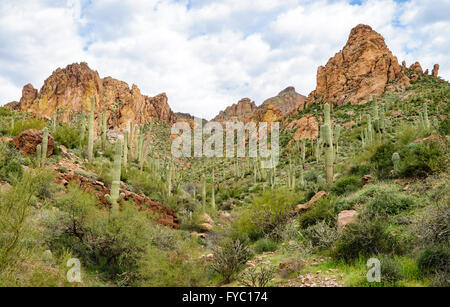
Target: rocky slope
286,101
365,67
237,112
69,90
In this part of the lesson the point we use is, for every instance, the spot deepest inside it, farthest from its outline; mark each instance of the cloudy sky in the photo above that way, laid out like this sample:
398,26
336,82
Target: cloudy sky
207,54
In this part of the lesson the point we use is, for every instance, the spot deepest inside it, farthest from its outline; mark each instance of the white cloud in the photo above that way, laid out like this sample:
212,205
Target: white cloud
208,54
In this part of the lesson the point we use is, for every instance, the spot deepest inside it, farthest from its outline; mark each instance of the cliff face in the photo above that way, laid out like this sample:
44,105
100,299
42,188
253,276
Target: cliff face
237,112
286,101
363,68
68,91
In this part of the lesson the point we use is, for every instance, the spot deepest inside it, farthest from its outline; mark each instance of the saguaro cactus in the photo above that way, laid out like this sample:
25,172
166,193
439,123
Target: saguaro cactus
204,193
125,150
104,129
337,134
39,154
90,152
213,192
115,197
328,144
44,145
396,161
82,129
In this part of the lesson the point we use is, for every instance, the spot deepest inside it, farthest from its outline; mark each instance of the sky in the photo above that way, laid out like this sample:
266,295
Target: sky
207,54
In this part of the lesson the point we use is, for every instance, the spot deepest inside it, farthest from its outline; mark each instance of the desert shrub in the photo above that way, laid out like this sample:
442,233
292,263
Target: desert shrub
379,199
265,245
346,184
381,159
257,276
321,235
67,135
14,210
390,270
45,184
435,260
10,163
163,238
322,210
434,227
422,159
444,126
5,112
23,125
267,212
364,238
229,258
159,268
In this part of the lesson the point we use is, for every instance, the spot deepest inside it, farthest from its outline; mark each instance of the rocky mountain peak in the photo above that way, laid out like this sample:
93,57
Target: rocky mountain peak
68,91
365,67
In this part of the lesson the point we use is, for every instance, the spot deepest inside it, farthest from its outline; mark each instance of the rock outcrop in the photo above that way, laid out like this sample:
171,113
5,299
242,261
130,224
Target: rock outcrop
417,68
27,141
286,101
68,91
266,114
365,67
307,127
435,71
237,112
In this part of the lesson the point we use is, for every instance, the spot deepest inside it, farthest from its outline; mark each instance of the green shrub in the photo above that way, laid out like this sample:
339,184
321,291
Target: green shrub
444,127
266,213
10,163
390,270
159,268
346,184
434,227
265,245
422,159
321,235
23,125
229,259
45,184
435,260
365,238
67,136
323,210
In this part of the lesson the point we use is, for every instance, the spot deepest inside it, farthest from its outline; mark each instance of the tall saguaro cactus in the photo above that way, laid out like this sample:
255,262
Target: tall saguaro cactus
82,129
125,150
44,145
328,144
213,192
204,193
115,197
104,129
90,152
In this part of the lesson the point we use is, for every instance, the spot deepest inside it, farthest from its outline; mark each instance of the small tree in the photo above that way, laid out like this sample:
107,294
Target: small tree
230,258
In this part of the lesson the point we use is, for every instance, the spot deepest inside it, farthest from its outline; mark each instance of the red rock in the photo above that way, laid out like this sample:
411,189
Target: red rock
435,71
314,199
346,217
365,67
27,141
69,91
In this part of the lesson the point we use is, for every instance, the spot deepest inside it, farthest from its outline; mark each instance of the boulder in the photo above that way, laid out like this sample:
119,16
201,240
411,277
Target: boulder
307,127
346,217
435,71
27,141
366,179
289,266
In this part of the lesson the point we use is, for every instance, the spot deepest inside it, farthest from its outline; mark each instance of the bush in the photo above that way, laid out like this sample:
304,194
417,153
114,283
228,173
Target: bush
257,277
10,163
390,270
45,184
167,269
434,227
266,213
67,135
444,127
229,258
365,238
321,235
435,260
422,160
23,125
323,210
264,245
346,184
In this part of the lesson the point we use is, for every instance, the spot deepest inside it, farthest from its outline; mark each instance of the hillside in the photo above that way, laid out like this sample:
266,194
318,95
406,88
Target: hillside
363,173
